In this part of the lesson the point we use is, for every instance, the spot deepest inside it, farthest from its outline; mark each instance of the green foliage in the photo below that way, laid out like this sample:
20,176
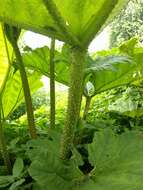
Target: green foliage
10,83
42,110
130,103
117,69
39,60
119,109
17,184
124,73
79,22
16,179
4,62
121,74
13,93
47,168
117,161
127,24
5,181
18,167
125,100
119,66
39,98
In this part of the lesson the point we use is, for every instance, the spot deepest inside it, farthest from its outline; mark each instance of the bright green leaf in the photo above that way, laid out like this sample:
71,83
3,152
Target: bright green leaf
117,160
38,60
13,92
4,64
83,19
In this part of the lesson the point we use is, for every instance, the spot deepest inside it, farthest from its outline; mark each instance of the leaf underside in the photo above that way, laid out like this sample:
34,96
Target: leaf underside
83,19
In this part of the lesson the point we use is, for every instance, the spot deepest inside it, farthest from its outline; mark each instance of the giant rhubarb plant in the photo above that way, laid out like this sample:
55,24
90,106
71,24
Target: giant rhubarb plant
75,23
117,160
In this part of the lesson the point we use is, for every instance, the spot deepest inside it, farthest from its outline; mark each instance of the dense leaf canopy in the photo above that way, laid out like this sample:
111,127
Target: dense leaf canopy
69,20
105,70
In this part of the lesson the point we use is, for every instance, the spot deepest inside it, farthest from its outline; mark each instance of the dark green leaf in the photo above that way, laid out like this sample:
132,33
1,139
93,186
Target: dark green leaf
18,167
48,170
16,184
6,181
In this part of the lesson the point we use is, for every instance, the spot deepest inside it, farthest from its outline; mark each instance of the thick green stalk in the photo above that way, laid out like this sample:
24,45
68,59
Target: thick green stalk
26,89
52,85
61,23
74,101
87,106
3,149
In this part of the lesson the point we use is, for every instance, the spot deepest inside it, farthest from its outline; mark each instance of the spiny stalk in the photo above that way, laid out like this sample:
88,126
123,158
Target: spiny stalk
27,94
61,23
74,101
52,85
87,105
13,35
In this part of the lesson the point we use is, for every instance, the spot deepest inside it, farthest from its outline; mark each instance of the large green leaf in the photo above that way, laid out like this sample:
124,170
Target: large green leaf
83,19
39,60
104,71
47,169
10,82
122,73
117,160
13,92
110,78
3,58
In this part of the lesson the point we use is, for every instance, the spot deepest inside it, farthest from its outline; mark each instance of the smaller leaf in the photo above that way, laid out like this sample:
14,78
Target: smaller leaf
18,167
5,181
13,143
16,184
